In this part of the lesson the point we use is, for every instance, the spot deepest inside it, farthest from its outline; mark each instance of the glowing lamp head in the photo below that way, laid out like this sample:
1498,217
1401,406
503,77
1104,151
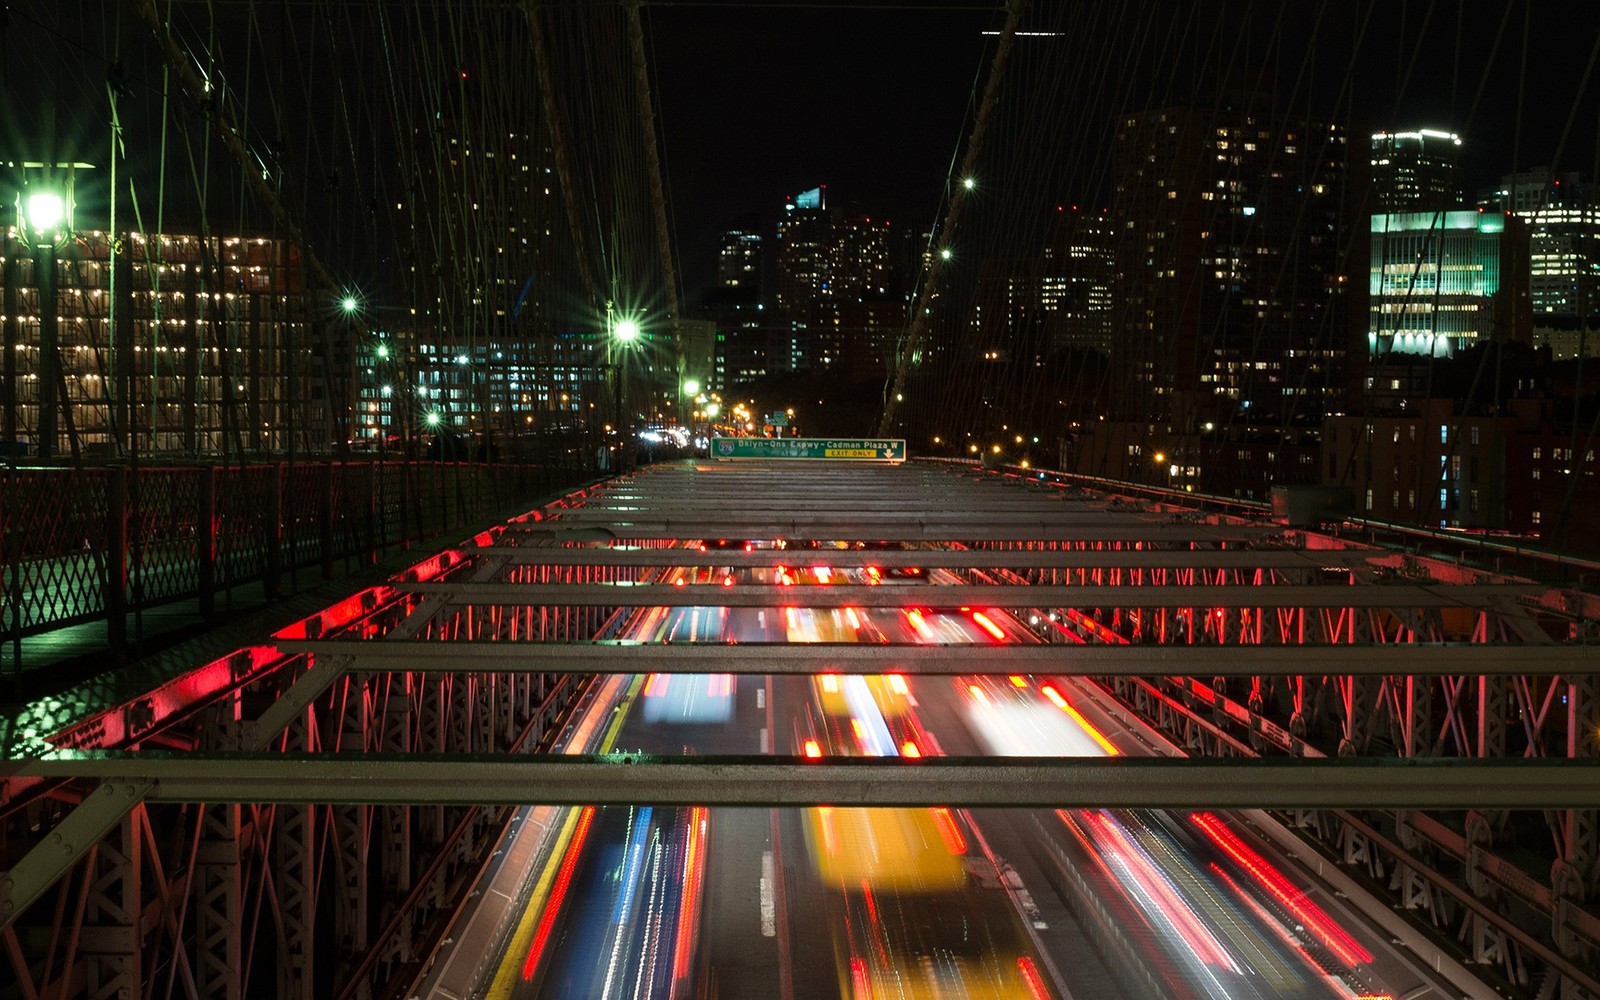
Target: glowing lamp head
45,211
691,387
969,183
944,253
712,409
627,330
1159,456
383,350
433,419
349,304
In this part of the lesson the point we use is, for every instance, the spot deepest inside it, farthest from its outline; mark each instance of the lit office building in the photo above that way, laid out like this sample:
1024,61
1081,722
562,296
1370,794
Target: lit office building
1563,217
1442,282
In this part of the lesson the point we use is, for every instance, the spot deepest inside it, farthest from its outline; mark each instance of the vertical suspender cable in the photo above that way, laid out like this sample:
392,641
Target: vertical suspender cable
558,142
658,200
930,284
212,112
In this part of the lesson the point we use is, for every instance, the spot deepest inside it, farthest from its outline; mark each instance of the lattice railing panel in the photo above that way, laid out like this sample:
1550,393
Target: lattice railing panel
53,547
164,534
244,499
304,507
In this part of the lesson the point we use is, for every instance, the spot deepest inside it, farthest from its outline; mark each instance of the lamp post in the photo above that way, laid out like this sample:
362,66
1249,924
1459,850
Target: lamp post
44,220
688,407
624,334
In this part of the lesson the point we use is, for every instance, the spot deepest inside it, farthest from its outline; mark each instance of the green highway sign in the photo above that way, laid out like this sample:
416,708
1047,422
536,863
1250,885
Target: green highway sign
851,449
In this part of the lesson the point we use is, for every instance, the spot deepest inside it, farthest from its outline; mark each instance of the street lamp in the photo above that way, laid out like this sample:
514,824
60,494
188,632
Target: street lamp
624,333
44,219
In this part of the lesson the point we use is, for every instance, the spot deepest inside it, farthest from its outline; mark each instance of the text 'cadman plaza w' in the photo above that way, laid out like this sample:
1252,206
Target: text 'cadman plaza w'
852,449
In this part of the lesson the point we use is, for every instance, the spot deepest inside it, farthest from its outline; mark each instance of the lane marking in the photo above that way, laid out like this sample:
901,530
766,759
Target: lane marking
510,967
781,905
769,914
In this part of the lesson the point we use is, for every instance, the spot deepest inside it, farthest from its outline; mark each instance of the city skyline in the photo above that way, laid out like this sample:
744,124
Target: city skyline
786,126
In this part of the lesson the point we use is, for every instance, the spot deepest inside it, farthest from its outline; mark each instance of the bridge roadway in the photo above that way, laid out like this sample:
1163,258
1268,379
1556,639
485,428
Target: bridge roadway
1008,628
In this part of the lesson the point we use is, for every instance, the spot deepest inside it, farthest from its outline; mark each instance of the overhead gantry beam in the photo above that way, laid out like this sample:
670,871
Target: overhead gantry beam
1046,783
1412,659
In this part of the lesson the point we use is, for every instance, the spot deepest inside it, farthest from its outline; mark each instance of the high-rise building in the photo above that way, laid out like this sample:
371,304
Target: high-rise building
860,258
475,207
1416,171
859,310
1076,282
804,264
839,303
204,344
1563,218
739,260
804,253
1227,252
1441,282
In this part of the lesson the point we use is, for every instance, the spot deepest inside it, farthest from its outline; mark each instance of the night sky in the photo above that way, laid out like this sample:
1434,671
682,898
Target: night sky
760,100
760,104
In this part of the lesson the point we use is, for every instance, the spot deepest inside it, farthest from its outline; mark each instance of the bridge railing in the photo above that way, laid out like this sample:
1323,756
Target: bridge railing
84,544
1517,555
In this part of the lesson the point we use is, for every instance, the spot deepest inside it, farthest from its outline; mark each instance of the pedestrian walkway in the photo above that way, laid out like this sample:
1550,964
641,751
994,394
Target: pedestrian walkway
176,635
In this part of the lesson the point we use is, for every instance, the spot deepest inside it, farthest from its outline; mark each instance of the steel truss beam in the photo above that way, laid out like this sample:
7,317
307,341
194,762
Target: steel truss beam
1058,558
896,595
908,531
1113,661
1055,782
48,860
